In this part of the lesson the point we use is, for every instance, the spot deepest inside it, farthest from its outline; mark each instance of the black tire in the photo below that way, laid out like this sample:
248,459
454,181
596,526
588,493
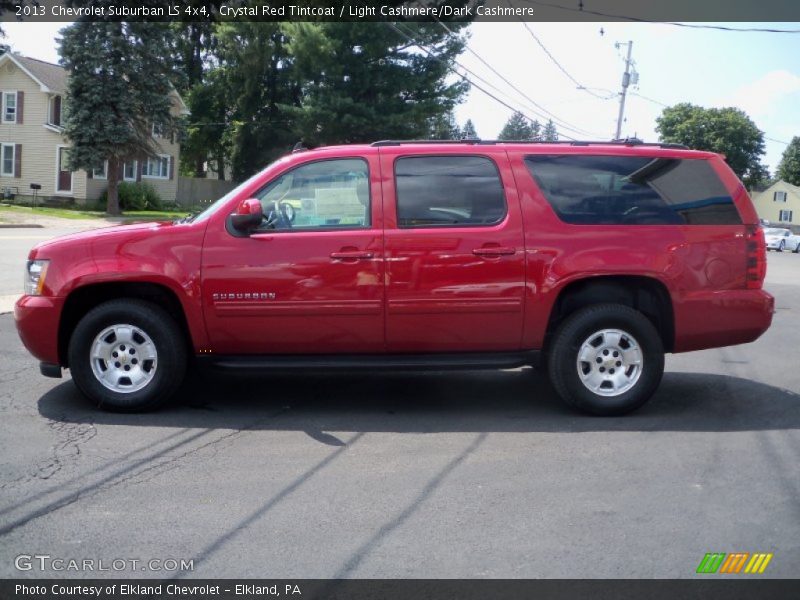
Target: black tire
567,342
796,249
781,246
163,331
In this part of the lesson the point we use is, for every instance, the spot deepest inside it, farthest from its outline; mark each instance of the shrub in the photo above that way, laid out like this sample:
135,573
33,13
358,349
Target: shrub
133,196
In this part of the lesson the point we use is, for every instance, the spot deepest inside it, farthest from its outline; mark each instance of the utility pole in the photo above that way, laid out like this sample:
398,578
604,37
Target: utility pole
626,81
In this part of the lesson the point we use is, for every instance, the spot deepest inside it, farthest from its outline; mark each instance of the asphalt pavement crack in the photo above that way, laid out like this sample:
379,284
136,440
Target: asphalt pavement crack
131,473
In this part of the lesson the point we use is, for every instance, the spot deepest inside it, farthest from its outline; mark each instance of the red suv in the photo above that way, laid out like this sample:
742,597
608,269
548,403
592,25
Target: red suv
595,257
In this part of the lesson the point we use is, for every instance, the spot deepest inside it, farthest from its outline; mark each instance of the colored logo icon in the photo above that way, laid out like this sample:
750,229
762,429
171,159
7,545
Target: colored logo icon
735,562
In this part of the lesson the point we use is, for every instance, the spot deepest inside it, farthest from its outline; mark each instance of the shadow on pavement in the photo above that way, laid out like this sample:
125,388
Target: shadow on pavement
488,401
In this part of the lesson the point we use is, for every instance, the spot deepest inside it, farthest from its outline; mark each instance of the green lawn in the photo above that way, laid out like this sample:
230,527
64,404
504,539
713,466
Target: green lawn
66,213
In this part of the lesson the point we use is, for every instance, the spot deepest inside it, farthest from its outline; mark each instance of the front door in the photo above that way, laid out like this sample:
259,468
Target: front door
454,252
310,281
63,175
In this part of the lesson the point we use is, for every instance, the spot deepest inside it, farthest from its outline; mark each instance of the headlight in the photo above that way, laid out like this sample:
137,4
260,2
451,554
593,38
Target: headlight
35,272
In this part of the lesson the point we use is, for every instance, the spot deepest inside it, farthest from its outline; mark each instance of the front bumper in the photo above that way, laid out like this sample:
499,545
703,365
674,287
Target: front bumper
37,319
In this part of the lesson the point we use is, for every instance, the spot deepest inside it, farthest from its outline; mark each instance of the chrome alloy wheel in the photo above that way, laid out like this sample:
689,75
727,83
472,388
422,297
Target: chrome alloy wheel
123,358
610,362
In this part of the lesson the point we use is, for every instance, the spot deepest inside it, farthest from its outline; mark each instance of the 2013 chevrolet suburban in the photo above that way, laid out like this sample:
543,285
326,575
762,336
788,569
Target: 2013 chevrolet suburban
592,258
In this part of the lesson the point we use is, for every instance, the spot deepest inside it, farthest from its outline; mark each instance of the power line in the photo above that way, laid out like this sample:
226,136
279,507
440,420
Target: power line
558,64
464,77
553,116
672,23
776,141
649,99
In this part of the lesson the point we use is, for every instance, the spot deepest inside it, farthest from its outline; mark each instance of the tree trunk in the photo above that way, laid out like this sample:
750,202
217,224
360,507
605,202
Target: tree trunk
199,171
112,206
220,168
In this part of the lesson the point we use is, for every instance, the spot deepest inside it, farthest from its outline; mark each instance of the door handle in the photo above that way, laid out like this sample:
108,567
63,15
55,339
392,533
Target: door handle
494,251
352,255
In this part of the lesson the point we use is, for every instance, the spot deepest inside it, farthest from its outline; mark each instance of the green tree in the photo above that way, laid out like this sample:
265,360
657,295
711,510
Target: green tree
364,81
789,167
469,132
445,127
119,86
517,127
204,91
728,131
536,131
259,94
550,133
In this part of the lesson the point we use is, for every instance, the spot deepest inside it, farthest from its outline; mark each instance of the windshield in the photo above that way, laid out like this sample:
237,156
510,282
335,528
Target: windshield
774,232
221,202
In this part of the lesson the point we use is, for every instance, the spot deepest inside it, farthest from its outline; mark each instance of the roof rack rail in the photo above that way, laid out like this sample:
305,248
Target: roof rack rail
477,142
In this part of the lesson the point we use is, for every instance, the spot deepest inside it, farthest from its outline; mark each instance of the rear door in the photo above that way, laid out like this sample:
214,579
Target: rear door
455,274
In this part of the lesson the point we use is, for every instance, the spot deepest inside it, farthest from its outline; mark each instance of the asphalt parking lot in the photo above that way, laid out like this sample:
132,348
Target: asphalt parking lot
442,475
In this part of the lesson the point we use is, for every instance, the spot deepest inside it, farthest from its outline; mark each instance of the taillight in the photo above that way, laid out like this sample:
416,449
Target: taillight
756,257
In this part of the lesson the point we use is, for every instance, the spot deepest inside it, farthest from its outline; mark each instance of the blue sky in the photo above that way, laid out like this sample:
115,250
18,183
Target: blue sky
758,72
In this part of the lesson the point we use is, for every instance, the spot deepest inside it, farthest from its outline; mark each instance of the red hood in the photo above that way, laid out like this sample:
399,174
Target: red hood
113,233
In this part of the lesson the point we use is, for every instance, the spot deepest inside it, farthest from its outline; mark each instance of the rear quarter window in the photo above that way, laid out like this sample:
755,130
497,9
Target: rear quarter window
632,190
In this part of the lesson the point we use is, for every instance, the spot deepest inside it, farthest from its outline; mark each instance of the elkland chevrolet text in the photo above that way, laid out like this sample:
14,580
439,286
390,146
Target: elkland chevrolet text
595,258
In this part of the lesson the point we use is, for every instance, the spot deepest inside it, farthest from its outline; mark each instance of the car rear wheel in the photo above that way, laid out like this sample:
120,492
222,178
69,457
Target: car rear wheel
796,248
606,359
127,355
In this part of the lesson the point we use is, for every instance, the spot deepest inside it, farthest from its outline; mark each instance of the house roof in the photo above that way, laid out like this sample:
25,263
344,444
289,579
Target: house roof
50,77
53,78
783,186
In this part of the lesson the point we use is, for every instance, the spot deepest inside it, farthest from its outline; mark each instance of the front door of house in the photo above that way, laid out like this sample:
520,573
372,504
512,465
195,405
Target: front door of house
64,175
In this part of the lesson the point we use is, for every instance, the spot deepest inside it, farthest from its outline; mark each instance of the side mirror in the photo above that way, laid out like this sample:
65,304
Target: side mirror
248,215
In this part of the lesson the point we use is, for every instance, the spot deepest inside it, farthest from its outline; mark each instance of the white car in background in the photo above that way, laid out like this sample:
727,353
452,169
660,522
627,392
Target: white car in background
781,239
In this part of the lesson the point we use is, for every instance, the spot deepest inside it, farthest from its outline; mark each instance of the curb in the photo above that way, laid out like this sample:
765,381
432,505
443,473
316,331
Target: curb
21,226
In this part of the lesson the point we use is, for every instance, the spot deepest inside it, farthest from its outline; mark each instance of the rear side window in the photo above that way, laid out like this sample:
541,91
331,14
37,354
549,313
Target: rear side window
631,190
442,191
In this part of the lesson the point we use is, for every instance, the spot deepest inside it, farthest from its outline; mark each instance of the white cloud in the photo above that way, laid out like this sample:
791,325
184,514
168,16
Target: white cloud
759,98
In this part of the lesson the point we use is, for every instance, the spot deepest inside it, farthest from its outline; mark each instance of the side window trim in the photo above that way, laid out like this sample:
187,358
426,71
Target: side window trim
491,161
323,228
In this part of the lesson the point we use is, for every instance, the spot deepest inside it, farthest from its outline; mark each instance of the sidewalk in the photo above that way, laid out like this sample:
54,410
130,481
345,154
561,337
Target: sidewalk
7,303
14,220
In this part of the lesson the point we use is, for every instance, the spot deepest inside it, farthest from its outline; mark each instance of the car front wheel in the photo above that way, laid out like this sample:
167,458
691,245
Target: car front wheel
127,355
781,246
606,359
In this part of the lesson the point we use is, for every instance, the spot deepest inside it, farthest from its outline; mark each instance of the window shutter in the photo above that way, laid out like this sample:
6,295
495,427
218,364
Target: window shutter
139,167
89,173
20,106
172,167
57,110
17,160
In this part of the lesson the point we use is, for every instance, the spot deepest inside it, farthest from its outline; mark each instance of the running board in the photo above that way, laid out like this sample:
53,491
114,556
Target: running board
331,362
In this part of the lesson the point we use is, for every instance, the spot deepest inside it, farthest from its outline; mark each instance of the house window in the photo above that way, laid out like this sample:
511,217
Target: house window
55,111
785,216
156,167
9,107
7,160
158,130
129,171
779,197
101,173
